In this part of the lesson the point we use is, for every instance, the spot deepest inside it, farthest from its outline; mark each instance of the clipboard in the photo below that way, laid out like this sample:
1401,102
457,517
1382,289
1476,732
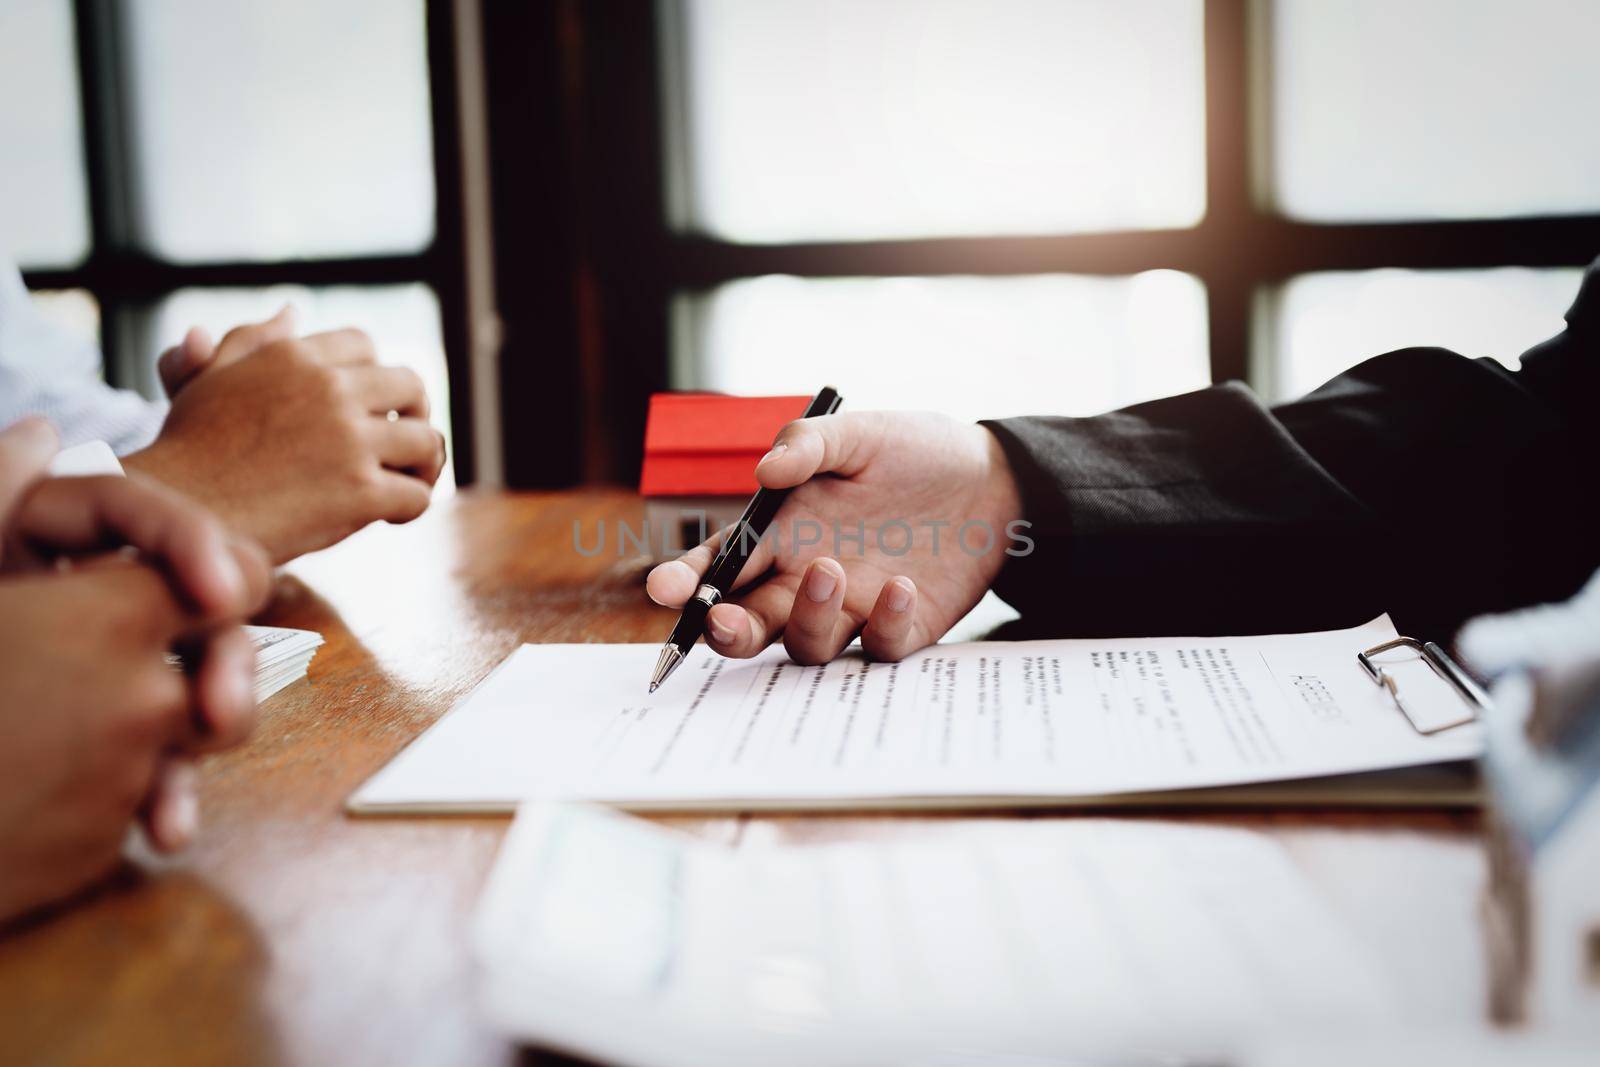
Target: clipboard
1475,702
531,730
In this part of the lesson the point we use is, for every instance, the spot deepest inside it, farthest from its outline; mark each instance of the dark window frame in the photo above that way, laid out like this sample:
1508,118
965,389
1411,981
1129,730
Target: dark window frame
622,262
586,264
126,280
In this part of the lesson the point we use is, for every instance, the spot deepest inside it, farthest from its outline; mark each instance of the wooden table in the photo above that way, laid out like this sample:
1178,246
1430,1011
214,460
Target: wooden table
292,933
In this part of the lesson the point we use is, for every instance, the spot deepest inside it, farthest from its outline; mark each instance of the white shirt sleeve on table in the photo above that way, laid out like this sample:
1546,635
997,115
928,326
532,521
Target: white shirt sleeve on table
45,371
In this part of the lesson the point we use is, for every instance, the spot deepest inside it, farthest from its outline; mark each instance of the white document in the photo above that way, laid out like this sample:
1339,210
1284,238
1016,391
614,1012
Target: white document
1142,942
957,725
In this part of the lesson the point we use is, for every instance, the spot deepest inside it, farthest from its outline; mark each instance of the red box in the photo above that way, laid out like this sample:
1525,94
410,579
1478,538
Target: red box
707,444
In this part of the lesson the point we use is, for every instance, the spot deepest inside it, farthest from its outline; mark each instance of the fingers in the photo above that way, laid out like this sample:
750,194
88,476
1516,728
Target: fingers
409,445
399,497
243,340
211,571
255,566
891,632
26,450
817,628
180,363
222,691
387,389
342,348
209,703
347,347
740,630
171,813
404,442
808,447
672,583
222,713
812,618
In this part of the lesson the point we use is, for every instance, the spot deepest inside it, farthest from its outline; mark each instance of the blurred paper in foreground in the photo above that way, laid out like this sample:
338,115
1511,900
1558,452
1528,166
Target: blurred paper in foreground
610,937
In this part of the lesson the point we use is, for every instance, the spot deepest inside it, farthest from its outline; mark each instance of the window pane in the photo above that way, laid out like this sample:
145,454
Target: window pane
972,347
843,120
1436,108
75,311
44,218
403,321
282,130
1327,323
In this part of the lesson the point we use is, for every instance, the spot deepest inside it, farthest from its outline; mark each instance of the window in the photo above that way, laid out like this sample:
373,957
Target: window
44,217
987,206
1328,321
917,119
920,118
1461,110
73,311
290,130
998,206
202,162
959,345
1069,206
1435,108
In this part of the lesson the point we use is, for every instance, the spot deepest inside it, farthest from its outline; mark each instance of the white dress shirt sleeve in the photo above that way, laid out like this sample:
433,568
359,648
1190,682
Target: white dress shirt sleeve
45,371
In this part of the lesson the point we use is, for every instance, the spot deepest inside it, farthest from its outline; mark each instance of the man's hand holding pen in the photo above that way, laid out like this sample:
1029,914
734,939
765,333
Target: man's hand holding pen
908,483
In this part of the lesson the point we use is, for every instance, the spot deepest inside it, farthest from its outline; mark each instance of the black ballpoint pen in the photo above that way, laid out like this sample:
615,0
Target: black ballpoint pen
741,540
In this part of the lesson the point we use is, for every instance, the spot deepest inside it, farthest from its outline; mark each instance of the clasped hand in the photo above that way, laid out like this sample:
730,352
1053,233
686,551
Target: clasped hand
297,442
103,578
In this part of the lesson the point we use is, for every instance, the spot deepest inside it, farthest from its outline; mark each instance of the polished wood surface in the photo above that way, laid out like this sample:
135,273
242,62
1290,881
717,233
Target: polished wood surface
292,933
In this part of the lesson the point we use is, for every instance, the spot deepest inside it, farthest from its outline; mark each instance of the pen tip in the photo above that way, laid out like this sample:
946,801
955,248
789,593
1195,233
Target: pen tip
665,665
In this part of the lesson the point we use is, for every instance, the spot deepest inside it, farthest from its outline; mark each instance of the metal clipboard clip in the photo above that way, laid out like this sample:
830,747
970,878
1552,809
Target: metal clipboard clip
1475,699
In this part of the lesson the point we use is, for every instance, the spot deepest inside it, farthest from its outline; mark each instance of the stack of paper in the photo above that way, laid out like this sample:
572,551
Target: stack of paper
282,656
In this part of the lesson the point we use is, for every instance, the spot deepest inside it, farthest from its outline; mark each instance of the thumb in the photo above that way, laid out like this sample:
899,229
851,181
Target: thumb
243,340
179,364
826,444
25,453
171,811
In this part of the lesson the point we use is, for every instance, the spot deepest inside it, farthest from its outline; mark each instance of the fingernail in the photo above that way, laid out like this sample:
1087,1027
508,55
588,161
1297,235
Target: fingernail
180,807
250,559
899,596
185,816
183,823
720,630
196,343
244,687
230,577
820,583
773,453
36,431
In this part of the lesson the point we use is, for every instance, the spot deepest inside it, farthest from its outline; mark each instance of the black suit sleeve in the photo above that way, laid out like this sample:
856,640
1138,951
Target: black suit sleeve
1421,483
